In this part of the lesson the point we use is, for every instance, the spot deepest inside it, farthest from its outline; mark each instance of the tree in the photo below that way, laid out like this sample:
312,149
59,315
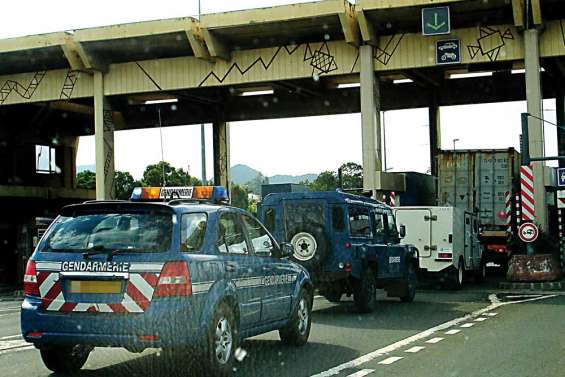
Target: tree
124,184
326,181
86,180
352,175
255,184
153,176
239,197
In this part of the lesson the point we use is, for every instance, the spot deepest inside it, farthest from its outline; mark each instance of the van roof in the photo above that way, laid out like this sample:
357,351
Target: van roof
331,196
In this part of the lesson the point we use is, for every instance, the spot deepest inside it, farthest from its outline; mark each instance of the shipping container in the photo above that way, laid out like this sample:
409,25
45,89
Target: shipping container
477,180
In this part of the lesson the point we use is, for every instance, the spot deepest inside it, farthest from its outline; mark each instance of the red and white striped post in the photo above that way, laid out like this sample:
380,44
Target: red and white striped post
392,199
527,193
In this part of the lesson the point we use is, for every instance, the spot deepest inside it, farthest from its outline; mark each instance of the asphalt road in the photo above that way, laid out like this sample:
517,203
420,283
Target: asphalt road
467,333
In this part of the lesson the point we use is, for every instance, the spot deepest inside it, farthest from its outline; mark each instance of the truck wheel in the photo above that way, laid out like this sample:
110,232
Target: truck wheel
333,296
297,331
365,295
310,247
222,342
456,276
65,359
481,275
411,283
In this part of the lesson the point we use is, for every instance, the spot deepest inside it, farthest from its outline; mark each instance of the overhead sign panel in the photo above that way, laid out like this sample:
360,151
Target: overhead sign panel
436,21
560,177
448,51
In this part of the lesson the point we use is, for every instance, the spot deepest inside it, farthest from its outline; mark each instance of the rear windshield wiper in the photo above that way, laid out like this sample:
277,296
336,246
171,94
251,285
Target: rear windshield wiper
99,249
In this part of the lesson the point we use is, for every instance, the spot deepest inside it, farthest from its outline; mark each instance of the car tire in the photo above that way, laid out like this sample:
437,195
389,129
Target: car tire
334,297
297,331
311,246
65,359
221,343
411,283
365,294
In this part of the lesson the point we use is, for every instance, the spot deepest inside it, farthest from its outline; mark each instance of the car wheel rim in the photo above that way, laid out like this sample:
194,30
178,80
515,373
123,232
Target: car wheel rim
223,341
305,246
303,316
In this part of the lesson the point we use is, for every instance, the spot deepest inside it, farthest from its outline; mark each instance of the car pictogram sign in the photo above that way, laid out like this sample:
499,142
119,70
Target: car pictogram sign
528,232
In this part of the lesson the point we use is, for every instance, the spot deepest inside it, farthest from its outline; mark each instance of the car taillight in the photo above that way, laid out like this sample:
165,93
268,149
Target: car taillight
444,255
174,280
31,287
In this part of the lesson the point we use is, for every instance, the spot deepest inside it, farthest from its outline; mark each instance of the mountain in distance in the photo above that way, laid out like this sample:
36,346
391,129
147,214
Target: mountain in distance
242,174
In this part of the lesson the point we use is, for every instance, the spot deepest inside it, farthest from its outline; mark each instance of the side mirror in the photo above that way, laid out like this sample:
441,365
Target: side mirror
287,250
402,231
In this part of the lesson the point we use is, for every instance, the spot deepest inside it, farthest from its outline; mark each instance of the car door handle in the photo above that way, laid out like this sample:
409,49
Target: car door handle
231,267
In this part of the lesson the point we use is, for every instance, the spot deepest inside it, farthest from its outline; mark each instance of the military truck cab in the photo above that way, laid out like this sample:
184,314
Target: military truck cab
350,244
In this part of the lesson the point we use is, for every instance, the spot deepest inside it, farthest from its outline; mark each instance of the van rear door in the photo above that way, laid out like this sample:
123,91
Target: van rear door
418,222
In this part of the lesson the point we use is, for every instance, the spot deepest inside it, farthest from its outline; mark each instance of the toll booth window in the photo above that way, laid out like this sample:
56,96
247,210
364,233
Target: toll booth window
45,160
193,230
230,235
359,222
338,222
262,243
270,215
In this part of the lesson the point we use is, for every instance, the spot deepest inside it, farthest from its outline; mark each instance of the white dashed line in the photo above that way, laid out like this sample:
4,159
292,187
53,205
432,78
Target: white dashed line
480,319
362,373
467,325
491,314
390,360
415,349
10,337
434,340
452,332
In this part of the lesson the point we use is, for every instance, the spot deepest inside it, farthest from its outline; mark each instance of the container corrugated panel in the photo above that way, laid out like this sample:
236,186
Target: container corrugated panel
477,180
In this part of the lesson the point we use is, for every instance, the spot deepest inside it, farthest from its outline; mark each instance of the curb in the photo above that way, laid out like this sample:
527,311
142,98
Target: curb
534,286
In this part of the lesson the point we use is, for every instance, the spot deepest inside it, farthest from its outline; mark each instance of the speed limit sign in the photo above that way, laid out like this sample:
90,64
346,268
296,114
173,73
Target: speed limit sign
528,232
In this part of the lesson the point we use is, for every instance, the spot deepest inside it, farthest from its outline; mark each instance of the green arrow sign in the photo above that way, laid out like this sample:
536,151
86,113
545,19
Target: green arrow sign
436,21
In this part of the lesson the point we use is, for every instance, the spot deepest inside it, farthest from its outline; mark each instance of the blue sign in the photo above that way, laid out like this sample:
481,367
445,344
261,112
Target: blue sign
561,177
448,51
436,21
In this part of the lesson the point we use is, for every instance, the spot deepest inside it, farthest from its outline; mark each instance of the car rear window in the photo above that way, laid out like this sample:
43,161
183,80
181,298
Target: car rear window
136,231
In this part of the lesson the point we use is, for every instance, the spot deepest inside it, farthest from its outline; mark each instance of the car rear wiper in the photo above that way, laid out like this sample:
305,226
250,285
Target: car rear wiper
99,249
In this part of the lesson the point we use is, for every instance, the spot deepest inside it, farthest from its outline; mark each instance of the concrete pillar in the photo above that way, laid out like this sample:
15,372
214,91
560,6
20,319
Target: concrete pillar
370,119
435,133
221,144
560,110
104,141
535,132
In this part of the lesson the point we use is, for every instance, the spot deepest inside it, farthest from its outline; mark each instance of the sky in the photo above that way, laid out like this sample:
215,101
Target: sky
284,146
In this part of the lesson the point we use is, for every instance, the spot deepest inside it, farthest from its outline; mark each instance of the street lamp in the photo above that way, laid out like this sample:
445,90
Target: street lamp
455,141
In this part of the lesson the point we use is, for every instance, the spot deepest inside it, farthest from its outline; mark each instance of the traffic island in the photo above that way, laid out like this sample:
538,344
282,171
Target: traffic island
534,268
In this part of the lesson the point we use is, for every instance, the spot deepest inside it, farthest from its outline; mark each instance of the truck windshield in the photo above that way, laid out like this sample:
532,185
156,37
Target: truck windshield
147,231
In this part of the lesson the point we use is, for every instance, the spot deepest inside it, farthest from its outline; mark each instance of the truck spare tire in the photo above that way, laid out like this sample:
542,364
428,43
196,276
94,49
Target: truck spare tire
310,247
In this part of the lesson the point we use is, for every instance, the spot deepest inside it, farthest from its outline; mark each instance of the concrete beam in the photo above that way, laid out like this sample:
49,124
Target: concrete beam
32,42
367,30
197,43
349,24
518,13
216,47
536,12
434,132
221,146
79,59
370,119
104,141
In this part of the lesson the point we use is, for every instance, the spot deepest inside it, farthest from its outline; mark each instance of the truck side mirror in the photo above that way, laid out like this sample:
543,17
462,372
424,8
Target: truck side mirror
402,231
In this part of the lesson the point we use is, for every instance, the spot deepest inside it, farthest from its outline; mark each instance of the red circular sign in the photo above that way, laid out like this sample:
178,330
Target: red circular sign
528,232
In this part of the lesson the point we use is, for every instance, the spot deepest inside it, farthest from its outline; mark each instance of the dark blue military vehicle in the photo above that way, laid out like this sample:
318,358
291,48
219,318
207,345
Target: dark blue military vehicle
349,243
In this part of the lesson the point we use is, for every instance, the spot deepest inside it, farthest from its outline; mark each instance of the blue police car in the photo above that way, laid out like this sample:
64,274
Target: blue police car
178,274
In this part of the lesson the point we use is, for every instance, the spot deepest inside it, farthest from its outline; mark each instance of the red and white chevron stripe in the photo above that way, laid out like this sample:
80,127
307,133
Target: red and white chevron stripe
508,211
136,298
527,193
392,199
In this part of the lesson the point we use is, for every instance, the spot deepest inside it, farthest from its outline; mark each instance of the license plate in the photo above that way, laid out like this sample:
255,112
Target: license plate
82,286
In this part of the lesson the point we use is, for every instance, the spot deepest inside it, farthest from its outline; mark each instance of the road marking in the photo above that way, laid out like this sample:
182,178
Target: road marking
434,340
415,349
491,314
362,373
480,319
467,325
355,363
11,337
27,348
452,332
390,360
11,344
16,309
